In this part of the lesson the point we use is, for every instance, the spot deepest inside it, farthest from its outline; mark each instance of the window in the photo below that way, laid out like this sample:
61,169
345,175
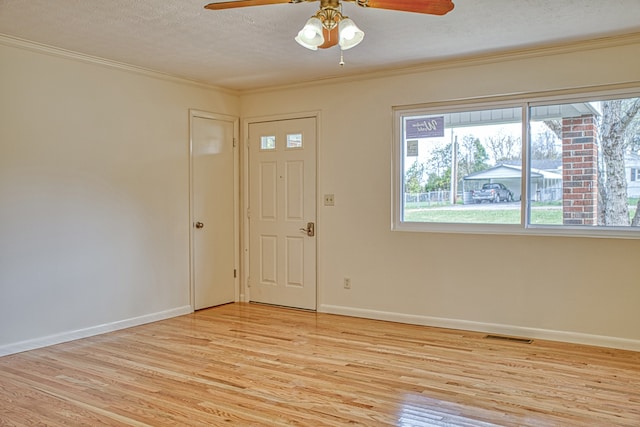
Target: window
532,166
294,140
268,142
462,166
598,141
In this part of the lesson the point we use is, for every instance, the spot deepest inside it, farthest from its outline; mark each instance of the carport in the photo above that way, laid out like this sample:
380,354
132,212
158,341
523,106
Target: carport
545,185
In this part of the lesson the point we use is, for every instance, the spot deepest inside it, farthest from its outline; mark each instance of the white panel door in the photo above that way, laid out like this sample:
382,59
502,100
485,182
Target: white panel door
213,218
282,212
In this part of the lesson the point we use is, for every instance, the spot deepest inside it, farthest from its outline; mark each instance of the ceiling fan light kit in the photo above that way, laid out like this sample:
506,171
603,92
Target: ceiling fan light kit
324,22
329,27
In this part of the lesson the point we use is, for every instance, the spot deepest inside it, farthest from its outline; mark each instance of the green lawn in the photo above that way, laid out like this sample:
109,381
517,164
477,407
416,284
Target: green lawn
465,215
540,215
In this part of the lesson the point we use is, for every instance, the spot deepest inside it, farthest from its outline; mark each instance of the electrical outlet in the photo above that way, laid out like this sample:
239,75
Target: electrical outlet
329,200
347,283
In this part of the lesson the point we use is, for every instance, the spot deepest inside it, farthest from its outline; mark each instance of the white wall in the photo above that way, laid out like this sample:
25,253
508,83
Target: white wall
94,218
573,289
94,196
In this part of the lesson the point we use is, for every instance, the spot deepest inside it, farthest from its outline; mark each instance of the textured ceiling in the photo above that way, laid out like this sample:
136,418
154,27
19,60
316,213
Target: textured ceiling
253,47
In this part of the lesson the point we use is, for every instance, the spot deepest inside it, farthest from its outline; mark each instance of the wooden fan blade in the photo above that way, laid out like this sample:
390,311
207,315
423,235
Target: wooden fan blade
431,7
243,3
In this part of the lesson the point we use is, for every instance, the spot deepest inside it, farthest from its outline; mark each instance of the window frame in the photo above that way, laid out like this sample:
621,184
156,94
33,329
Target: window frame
524,101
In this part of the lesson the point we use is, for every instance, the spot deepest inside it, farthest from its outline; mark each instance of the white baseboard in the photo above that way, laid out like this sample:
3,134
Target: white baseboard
91,331
490,328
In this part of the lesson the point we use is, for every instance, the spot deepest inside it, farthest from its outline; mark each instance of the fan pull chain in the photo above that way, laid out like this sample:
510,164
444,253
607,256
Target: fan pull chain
341,51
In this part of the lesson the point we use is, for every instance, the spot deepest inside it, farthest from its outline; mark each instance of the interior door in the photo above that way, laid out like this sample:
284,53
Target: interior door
282,212
213,211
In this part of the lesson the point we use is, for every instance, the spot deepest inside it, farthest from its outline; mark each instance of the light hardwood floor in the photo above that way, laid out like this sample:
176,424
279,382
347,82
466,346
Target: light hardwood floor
253,365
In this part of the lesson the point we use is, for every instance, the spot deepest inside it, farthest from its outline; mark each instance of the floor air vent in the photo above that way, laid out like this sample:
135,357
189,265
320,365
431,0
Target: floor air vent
512,339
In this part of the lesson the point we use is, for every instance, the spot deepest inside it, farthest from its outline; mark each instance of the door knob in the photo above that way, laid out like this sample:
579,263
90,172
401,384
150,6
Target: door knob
199,225
310,230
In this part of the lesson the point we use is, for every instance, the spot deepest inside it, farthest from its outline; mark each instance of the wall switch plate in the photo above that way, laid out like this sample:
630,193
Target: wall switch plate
329,200
347,283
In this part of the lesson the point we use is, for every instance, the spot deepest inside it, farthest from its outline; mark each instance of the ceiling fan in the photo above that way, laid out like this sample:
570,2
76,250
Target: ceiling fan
329,27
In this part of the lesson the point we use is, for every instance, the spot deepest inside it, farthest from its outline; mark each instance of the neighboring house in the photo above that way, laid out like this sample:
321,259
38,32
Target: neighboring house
546,178
545,185
632,171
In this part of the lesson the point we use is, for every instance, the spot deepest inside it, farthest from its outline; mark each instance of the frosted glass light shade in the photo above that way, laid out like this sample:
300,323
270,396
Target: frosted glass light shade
350,34
310,36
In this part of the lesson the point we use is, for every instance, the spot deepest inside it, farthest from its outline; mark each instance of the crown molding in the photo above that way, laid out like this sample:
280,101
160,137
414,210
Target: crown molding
465,61
468,61
81,57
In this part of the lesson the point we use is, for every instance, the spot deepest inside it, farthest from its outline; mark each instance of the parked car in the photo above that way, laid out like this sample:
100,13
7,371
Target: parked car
492,193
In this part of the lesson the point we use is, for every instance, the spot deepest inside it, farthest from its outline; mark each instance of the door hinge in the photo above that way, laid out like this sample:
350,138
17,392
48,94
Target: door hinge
235,273
248,282
249,213
234,142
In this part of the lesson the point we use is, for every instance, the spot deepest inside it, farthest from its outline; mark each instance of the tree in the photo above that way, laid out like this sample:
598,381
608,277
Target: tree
440,160
504,147
544,146
615,124
413,178
632,137
554,126
472,156
439,169
439,182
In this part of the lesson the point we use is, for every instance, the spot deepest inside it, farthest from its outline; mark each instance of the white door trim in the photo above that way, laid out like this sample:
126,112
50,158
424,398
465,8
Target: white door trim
236,198
245,295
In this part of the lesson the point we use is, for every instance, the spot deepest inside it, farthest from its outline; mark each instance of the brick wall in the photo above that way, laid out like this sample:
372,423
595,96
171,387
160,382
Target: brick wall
579,171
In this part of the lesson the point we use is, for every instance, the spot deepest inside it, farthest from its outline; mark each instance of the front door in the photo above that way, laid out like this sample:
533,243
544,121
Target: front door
213,210
282,212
